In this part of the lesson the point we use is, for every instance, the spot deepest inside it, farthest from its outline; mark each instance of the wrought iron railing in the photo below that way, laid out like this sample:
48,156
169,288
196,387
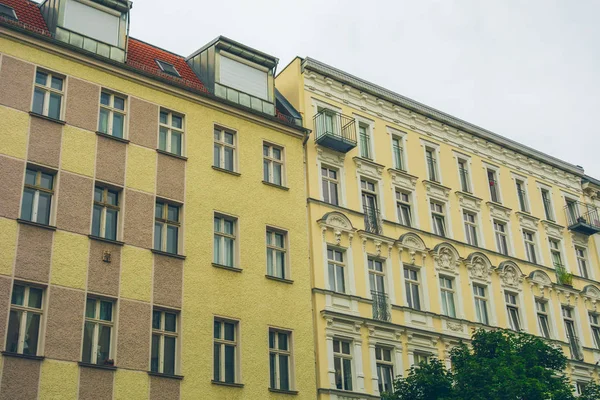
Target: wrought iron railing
576,347
381,306
373,222
577,212
332,123
494,191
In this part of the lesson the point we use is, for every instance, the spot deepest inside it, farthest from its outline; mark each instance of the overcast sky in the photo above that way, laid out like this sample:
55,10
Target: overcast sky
528,70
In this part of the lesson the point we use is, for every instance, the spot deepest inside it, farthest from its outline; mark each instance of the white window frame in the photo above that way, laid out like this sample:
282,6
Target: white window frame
463,158
522,181
485,299
594,325
342,265
278,352
222,144
330,181
287,270
343,356
271,160
110,108
496,171
24,310
414,285
400,136
516,306
409,203
534,245
448,293
37,188
542,187
435,152
161,332
105,207
222,235
443,214
546,313
170,128
384,363
474,225
237,370
97,324
370,130
165,222
48,89
583,259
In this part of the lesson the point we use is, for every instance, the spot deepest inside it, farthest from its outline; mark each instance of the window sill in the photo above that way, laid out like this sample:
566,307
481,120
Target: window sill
292,392
98,366
226,171
166,153
275,185
232,269
106,135
279,279
164,253
236,385
43,226
19,355
101,239
168,376
57,121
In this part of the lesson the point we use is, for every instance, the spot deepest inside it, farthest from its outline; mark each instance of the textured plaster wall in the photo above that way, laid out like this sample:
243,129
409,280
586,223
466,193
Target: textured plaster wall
58,380
69,260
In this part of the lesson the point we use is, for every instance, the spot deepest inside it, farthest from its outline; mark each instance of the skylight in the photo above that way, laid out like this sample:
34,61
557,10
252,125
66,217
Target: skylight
168,68
8,12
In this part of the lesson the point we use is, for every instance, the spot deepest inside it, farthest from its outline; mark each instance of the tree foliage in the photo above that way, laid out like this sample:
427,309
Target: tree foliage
498,365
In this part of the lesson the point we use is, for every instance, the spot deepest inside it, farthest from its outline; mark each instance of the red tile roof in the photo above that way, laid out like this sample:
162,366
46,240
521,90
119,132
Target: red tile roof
28,14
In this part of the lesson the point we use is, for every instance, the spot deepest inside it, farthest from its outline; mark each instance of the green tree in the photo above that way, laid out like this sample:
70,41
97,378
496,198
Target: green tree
499,365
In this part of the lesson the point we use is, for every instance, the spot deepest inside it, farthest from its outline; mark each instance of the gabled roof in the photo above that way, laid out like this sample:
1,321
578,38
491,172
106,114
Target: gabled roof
28,15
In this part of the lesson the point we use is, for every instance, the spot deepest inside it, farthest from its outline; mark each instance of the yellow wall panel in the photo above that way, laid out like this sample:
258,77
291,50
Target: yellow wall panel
131,385
77,143
8,243
58,380
141,168
69,259
13,132
136,273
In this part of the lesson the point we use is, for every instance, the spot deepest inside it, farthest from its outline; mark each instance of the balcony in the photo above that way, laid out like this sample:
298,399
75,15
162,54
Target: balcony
92,45
576,347
582,218
373,222
381,307
335,131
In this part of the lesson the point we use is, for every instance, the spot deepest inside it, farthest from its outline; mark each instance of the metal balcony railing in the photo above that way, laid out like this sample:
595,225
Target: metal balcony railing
576,347
381,306
373,222
335,130
581,217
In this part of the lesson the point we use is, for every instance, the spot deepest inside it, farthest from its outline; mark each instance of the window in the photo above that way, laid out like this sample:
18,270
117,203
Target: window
580,387
244,76
438,218
48,94
481,309
529,238
398,153
500,232
373,222
224,150
330,182
522,195
97,332
403,208
336,267
572,211
431,164
224,241
463,173
164,342
471,228
112,114
365,141
547,204
376,275
280,358
25,319
342,361
512,308
170,133
567,313
385,369
582,262
447,291
330,125
167,68
276,254
273,164
595,324
37,196
420,358
106,213
412,286
542,317
166,227
494,188
225,351
7,12
555,252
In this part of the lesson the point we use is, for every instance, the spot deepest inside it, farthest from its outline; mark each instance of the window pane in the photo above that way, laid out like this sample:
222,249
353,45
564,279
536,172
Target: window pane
118,123
32,331
284,372
106,310
173,213
38,101
341,283
12,338
270,262
283,341
347,374
217,330
41,78
27,207
90,308
229,331
177,122
18,295
30,177
103,344
176,143
35,297
96,220
277,174
217,361
154,360
158,210
217,156
217,250
162,139
164,117
172,232
156,317
54,109
170,322
105,99
228,252
337,363
169,356
103,121
331,274
111,225
88,335
228,161
158,236
280,266
44,201
112,198
272,369
56,83
276,153
266,171
46,180
119,103
228,138
229,364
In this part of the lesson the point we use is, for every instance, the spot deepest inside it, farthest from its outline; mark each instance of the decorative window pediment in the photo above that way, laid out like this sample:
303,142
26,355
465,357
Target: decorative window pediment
437,191
413,243
541,279
469,202
330,157
480,267
553,229
403,179
446,258
528,221
368,168
510,274
498,211
338,223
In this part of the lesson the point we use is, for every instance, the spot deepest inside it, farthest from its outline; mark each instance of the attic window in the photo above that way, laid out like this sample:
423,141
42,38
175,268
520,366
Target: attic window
7,12
168,68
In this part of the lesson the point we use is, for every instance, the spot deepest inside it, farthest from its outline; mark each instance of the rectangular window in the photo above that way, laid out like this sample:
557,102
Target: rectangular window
385,369
582,262
280,359
37,196
164,342
342,361
105,219
398,153
500,232
420,358
170,133
580,387
25,319
277,254
336,270
48,94
529,239
547,204
273,164
112,114
522,195
404,209
438,218
412,286
376,276
573,214
97,332
447,291
481,308
471,228
493,184
595,324
330,183
166,227
512,308
463,173
224,241
431,164
224,150
569,319
556,254
373,221
365,141
225,358
542,317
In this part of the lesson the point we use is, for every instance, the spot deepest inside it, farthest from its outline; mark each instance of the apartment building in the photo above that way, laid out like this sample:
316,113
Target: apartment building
152,215
424,227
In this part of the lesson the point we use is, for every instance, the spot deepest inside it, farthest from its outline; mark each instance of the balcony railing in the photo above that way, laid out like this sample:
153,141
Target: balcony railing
576,347
381,307
335,130
244,99
582,218
373,222
89,44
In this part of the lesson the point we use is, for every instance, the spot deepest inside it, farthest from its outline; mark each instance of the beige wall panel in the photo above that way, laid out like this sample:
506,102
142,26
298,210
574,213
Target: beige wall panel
83,99
139,219
103,277
95,384
164,388
171,177
20,379
143,123
133,347
44,142
16,81
168,275
33,253
64,324
4,306
110,161
11,184
74,203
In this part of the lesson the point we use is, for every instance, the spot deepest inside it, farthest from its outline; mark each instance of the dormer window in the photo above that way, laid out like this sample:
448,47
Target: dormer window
7,12
238,74
93,20
168,68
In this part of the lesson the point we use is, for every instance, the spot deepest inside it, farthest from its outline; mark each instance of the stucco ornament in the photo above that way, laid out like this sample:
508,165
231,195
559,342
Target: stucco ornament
479,269
511,276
